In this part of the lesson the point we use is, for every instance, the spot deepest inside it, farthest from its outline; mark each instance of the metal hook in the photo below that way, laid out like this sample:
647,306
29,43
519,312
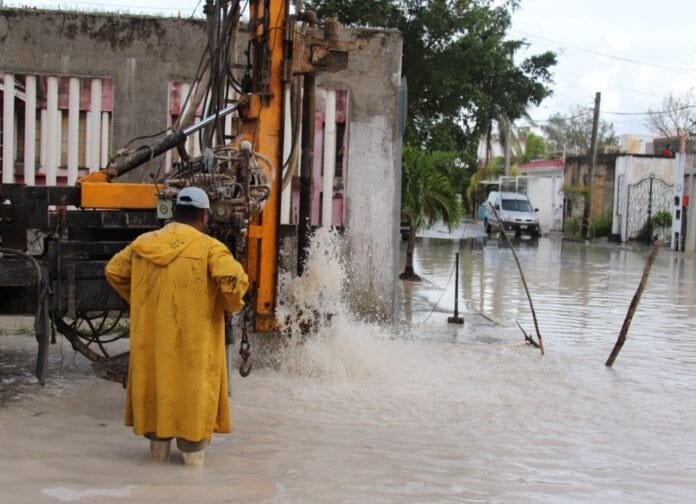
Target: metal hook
245,370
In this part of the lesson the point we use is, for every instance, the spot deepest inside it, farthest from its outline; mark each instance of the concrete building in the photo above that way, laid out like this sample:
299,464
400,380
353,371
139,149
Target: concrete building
77,87
635,189
545,190
636,144
644,187
576,180
684,216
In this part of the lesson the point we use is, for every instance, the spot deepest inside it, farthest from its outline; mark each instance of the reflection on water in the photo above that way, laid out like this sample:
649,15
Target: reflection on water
581,293
456,414
467,414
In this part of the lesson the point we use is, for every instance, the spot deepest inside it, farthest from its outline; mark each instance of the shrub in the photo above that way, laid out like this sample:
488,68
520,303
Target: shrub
663,218
601,226
572,228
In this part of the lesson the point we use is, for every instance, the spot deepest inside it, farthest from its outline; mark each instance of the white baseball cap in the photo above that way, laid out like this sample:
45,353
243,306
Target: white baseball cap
193,196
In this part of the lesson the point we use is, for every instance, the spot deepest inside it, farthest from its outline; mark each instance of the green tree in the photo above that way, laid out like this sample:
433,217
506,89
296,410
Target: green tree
571,134
427,196
459,65
535,147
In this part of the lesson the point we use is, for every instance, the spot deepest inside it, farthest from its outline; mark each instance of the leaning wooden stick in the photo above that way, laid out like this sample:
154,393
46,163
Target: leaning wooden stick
524,281
527,337
634,304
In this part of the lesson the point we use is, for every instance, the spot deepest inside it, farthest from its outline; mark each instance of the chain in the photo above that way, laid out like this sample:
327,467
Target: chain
244,352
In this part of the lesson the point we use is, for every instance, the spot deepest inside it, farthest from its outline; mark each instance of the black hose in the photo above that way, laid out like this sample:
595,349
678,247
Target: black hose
41,317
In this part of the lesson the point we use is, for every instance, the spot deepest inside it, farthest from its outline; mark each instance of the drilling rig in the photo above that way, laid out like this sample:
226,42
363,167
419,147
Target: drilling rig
56,240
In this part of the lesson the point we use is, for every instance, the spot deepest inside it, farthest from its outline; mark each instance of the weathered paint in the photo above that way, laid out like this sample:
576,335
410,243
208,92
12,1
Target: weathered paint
373,78
142,55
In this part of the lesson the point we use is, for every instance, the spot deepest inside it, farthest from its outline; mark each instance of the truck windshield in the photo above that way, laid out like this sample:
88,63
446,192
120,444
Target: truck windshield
517,205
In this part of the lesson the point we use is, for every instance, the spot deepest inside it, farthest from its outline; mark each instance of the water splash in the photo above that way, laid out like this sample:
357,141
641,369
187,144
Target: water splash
323,338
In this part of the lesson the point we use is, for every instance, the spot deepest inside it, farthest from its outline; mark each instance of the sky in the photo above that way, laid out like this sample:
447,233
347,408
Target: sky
634,52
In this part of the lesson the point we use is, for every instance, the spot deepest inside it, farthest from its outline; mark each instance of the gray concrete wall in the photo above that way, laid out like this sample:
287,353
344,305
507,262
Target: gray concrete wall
141,55
577,174
373,77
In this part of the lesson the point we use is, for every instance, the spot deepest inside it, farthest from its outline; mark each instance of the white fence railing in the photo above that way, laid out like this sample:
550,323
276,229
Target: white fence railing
65,120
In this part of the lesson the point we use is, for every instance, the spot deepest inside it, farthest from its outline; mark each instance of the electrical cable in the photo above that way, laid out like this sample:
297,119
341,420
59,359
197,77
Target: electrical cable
651,112
441,295
690,71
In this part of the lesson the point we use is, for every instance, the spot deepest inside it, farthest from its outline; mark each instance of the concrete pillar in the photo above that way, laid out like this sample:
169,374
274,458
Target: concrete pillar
59,139
8,123
42,139
52,148
196,151
95,125
329,156
88,137
286,196
196,137
73,129
104,140
185,88
30,130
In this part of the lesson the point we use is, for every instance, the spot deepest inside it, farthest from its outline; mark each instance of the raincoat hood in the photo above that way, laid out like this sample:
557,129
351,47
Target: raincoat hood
161,247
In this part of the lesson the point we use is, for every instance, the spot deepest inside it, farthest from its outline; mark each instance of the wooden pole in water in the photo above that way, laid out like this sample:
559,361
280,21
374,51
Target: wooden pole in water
456,319
634,304
524,281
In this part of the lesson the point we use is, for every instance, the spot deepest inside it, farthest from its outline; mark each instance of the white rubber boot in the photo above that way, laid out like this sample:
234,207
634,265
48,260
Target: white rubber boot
194,459
159,450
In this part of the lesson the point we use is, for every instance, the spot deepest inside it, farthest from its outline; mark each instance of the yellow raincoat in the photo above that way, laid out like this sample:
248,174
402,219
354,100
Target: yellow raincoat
179,283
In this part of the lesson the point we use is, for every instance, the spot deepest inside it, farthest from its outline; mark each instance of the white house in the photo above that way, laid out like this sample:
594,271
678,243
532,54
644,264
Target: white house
544,188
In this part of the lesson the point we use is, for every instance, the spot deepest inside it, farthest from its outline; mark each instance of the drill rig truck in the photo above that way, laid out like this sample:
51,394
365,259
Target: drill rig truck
56,240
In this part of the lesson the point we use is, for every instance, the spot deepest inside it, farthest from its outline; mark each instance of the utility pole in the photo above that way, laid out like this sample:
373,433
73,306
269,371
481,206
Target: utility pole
507,147
593,164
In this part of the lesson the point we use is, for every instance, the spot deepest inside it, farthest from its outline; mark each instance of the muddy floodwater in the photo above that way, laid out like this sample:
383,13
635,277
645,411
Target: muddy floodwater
427,412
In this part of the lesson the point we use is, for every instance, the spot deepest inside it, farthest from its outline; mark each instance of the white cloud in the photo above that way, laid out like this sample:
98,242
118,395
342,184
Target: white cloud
619,40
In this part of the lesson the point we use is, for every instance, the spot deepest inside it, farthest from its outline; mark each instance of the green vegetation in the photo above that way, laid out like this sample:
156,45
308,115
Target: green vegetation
663,218
427,196
574,192
461,68
536,147
601,226
572,228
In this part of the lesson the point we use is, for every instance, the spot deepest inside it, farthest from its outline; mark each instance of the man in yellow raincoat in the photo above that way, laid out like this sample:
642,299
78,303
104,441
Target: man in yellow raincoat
180,283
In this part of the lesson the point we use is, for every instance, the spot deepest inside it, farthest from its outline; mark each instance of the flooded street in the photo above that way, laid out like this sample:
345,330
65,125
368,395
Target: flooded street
563,427
436,414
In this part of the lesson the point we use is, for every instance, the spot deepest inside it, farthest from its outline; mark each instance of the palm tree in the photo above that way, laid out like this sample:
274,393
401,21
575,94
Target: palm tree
427,196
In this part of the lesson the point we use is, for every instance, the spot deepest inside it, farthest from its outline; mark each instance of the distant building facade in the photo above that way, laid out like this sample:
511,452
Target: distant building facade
545,180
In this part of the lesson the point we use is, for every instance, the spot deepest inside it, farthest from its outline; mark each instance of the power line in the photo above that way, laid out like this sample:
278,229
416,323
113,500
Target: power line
610,86
588,111
196,7
690,71
651,112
